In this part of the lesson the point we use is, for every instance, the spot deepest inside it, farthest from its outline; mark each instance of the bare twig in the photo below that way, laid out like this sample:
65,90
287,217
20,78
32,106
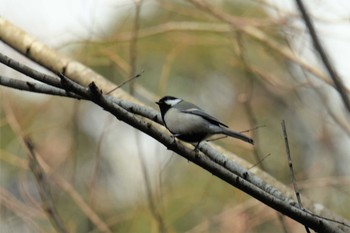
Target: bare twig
125,82
338,83
290,164
259,161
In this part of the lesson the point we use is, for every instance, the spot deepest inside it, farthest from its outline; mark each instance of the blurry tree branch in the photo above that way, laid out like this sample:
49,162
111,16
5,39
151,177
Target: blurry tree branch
338,83
44,188
133,44
234,24
46,170
23,211
86,84
241,25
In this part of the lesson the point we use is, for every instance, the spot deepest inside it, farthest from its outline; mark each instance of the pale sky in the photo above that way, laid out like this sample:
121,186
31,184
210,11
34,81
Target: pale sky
56,22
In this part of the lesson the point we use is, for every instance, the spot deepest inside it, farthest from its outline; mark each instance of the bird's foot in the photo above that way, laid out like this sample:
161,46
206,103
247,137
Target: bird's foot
196,150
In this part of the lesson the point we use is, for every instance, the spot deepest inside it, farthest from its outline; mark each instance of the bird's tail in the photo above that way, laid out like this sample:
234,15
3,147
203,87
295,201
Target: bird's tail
234,134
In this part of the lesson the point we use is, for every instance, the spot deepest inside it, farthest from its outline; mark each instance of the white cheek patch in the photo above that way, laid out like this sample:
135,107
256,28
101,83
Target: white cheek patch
173,102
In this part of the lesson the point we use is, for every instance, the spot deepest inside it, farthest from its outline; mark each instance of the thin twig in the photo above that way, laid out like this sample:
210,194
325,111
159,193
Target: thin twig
260,161
253,129
126,81
290,164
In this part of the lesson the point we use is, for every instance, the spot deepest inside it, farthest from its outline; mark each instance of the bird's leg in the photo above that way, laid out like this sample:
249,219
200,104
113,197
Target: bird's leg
196,149
174,139
197,146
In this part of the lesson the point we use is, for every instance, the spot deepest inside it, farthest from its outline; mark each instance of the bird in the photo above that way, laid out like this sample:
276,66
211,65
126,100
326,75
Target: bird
189,123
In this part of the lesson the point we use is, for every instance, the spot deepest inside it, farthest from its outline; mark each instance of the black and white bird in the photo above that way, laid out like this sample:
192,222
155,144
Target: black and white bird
189,123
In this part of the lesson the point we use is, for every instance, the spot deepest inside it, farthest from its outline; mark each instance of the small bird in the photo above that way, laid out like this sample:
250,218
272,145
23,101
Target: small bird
189,123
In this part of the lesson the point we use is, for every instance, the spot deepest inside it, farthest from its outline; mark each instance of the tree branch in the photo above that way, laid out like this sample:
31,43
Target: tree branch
26,70
35,87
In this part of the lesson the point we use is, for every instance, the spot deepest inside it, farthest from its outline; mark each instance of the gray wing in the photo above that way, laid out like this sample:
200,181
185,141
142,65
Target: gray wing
199,112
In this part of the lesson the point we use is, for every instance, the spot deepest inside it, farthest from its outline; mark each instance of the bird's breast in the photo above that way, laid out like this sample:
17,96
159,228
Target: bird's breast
184,123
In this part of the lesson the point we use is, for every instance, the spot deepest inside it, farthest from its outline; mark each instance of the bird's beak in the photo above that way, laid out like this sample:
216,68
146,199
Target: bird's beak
157,102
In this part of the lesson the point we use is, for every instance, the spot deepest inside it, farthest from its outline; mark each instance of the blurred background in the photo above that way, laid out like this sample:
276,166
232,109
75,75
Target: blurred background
183,49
